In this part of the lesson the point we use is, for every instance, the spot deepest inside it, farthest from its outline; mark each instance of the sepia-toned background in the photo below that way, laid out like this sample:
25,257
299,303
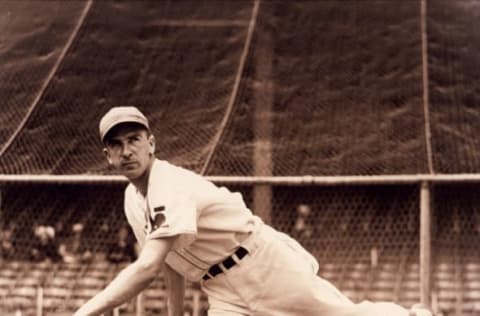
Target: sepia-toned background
330,116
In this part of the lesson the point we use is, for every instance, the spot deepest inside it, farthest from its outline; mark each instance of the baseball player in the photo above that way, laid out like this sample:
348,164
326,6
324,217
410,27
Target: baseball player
194,230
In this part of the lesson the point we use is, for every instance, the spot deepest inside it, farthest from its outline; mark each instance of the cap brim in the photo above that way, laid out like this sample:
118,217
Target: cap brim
127,120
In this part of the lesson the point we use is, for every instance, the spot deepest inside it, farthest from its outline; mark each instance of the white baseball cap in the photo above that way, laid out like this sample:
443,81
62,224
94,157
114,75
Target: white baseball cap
118,115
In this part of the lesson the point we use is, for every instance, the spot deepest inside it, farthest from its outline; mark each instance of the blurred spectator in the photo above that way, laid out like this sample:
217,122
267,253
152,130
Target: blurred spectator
303,229
44,246
123,248
60,231
7,248
73,248
104,234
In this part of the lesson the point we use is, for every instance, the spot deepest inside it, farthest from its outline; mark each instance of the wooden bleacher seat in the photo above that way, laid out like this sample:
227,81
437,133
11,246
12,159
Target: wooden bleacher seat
409,286
472,267
471,295
88,281
21,302
7,271
330,271
56,292
54,306
55,298
69,269
60,281
446,300
355,274
446,307
412,295
75,302
24,291
7,282
154,299
195,299
29,281
99,267
471,284
84,293
380,295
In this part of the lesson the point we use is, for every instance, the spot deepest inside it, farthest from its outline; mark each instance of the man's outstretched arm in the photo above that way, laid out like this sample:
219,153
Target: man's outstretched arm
132,280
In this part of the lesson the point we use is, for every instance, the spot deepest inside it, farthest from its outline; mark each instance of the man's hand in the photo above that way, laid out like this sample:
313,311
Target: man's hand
420,310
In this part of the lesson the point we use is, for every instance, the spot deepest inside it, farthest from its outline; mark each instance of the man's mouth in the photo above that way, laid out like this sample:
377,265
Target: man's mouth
128,164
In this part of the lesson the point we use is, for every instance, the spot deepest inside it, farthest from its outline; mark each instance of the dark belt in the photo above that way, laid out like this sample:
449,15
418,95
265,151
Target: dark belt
227,263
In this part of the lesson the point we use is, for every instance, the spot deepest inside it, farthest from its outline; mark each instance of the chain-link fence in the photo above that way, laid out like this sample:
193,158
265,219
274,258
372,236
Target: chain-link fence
333,87
366,238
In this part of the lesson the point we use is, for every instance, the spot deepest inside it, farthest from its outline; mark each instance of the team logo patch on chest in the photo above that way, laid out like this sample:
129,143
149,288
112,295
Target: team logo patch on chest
158,218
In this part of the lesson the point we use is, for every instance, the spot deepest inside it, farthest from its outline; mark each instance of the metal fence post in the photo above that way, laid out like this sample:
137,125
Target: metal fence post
139,308
425,244
39,311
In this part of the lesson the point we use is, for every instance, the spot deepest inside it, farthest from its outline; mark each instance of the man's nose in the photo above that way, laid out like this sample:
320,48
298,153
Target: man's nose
126,150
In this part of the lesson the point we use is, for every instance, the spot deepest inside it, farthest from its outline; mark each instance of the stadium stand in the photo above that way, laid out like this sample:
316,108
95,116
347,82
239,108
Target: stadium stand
341,84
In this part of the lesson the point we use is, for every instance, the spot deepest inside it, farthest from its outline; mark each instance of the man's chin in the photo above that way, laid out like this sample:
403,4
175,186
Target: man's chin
131,174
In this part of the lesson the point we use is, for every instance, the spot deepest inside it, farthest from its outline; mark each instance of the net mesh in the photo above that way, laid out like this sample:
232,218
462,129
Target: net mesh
296,85
328,88
311,64
33,34
452,63
180,76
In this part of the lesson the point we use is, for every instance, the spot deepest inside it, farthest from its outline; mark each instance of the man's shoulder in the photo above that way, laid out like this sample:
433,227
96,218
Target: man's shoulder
130,190
168,172
130,196
162,166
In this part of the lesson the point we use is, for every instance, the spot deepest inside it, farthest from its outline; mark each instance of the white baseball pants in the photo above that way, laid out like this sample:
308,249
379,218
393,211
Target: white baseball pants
279,278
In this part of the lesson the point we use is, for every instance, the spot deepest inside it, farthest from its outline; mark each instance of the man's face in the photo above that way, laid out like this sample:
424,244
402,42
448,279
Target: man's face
129,149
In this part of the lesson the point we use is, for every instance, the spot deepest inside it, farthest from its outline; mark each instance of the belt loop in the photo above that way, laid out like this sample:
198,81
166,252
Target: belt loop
235,258
222,267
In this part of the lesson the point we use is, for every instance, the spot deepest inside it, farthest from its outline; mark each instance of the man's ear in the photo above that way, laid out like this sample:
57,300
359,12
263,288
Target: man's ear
151,143
107,155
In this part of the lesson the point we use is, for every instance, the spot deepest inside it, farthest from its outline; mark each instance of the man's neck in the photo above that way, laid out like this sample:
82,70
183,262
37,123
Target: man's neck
141,183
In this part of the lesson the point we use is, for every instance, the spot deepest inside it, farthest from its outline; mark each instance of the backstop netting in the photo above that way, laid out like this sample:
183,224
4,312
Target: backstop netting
245,88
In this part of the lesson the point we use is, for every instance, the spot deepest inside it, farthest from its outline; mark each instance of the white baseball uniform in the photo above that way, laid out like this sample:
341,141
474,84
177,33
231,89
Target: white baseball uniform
277,276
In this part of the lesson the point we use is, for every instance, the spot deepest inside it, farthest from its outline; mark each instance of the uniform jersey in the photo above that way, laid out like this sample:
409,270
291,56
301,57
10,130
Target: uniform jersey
211,221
